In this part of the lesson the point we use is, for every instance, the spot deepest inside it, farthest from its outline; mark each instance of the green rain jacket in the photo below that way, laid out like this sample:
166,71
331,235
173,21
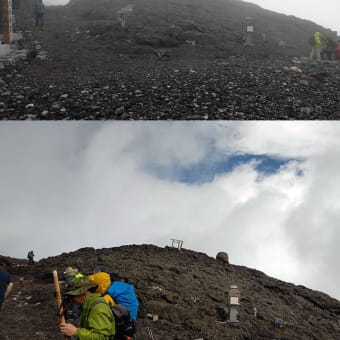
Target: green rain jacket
317,39
96,320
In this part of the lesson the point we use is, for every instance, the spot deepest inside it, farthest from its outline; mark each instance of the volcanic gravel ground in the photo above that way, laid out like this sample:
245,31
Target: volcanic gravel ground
91,77
185,289
235,88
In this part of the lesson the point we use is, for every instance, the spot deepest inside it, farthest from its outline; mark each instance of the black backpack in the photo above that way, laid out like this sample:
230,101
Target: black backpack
125,325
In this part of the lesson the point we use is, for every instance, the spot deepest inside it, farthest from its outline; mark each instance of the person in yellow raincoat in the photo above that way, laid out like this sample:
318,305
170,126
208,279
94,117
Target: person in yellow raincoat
103,282
316,47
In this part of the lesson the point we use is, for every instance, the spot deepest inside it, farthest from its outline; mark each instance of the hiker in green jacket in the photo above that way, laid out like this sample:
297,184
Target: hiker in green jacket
96,319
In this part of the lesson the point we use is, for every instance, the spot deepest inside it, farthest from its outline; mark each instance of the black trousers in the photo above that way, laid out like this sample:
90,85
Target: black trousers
39,19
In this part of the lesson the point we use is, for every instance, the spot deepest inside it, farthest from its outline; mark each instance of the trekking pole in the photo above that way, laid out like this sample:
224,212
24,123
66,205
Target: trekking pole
58,296
149,330
150,334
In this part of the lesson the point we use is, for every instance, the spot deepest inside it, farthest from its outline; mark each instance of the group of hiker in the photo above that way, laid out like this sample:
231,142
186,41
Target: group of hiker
98,306
92,302
323,48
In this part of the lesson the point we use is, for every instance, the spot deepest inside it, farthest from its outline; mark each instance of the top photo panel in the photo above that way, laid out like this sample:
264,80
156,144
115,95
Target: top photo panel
169,60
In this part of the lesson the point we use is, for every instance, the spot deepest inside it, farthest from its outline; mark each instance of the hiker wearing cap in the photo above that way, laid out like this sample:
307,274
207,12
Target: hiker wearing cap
70,308
71,273
96,319
6,285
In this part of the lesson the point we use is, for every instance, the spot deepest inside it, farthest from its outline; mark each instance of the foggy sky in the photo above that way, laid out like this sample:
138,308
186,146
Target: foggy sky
324,13
70,185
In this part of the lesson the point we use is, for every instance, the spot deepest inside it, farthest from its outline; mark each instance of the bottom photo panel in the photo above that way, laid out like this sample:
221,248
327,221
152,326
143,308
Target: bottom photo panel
172,230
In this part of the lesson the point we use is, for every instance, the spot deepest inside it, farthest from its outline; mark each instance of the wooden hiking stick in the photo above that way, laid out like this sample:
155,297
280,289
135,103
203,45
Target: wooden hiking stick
58,296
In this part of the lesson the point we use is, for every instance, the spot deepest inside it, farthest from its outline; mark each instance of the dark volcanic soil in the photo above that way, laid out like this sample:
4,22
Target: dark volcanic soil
184,288
96,70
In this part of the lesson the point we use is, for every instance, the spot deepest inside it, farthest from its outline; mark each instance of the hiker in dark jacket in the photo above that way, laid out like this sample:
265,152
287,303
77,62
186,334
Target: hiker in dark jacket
30,257
39,10
96,319
6,285
329,48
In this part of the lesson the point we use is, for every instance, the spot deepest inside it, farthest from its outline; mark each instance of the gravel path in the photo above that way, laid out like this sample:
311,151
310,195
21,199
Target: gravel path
86,77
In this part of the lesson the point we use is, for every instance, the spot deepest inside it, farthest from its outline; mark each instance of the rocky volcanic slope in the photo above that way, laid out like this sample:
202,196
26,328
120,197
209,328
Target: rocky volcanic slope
96,70
184,288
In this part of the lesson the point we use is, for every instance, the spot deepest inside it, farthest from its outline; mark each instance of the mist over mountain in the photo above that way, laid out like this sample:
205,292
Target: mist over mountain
217,23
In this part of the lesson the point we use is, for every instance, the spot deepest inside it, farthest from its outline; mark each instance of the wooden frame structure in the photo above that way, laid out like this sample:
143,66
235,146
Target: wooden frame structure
176,243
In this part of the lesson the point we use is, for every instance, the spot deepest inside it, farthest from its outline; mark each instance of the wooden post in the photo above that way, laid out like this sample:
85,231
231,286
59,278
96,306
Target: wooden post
5,21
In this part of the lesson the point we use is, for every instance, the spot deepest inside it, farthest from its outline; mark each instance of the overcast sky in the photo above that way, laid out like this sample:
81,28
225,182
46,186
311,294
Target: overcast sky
325,13
265,192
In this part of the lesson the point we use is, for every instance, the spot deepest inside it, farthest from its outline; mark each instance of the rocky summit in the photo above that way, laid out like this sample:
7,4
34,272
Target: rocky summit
179,59
184,294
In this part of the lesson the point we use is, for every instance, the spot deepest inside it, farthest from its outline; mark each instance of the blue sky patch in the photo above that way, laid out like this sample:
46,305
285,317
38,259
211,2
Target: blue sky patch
207,169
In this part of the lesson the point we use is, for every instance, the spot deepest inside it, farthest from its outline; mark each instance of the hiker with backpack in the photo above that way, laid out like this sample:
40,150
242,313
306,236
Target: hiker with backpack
96,318
123,293
121,297
103,282
116,291
30,257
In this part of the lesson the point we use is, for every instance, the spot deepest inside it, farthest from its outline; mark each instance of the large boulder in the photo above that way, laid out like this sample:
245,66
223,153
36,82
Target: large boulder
222,257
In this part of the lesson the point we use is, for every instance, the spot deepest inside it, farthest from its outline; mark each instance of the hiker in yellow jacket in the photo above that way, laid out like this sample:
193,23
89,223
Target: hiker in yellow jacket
103,282
316,47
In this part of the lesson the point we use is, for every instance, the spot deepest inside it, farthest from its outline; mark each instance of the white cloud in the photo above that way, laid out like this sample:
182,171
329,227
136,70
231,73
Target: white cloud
85,184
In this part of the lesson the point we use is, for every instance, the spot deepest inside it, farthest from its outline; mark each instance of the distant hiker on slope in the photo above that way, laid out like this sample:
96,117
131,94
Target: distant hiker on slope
316,46
96,318
6,286
329,48
30,256
39,10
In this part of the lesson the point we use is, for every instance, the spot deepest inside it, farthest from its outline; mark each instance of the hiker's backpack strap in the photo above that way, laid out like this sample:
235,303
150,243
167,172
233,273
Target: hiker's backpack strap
125,325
